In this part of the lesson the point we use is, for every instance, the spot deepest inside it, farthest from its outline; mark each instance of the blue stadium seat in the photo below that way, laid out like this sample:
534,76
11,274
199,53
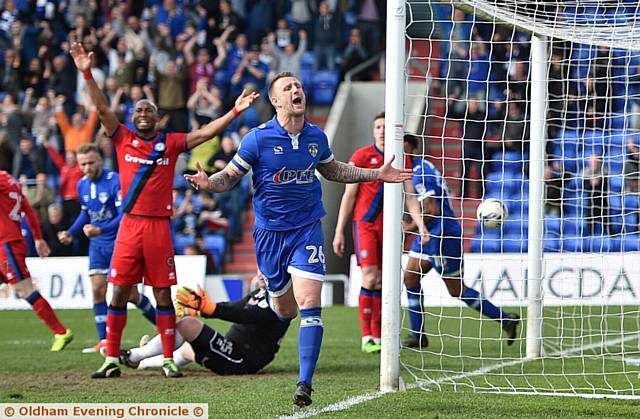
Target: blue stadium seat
630,243
599,244
508,161
180,241
485,245
216,245
573,226
324,86
571,244
514,243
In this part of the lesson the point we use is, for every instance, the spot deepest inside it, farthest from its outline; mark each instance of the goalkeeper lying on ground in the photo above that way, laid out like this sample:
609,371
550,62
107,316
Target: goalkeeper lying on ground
251,343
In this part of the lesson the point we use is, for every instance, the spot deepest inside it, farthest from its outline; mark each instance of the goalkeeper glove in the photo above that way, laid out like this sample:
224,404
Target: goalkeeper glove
193,302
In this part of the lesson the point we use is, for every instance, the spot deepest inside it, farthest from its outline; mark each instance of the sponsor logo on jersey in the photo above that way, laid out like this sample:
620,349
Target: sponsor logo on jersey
141,160
313,150
114,273
278,150
103,197
299,177
135,143
100,216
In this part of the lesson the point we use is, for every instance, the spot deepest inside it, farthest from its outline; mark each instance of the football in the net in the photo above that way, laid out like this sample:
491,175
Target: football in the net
492,213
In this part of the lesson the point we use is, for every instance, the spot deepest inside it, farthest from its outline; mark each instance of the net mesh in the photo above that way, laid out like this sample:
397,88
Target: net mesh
475,57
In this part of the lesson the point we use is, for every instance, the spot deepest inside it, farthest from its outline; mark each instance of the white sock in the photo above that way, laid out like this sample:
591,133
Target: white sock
153,348
157,360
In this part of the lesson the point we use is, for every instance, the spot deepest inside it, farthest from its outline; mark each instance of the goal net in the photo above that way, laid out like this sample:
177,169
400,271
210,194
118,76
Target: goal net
536,104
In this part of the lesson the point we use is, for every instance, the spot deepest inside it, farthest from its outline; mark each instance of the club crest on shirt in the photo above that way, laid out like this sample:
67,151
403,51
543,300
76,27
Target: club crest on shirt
103,197
313,149
374,160
159,147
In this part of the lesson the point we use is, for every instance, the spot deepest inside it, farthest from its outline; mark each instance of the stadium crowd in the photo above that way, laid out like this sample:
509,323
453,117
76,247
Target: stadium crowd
192,58
593,110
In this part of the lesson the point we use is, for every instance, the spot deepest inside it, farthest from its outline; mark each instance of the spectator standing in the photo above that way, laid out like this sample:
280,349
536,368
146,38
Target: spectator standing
290,59
70,174
596,185
301,18
327,32
372,15
474,129
53,224
77,132
353,55
204,105
171,98
28,160
632,168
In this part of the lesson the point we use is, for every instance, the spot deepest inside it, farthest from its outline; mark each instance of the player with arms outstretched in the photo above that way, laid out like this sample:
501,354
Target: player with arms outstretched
13,250
99,192
146,159
284,154
442,252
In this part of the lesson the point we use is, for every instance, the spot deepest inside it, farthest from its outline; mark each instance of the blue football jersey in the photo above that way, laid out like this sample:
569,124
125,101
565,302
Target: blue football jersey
429,182
100,202
287,192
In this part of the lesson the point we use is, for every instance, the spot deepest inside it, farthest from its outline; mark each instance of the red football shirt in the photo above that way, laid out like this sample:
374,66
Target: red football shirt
12,206
153,193
368,206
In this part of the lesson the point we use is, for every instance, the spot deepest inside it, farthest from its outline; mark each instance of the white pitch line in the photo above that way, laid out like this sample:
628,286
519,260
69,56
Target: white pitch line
348,403
336,407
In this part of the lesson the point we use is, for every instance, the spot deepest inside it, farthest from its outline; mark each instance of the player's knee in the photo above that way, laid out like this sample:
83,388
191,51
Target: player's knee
287,313
189,328
163,296
120,295
24,288
411,279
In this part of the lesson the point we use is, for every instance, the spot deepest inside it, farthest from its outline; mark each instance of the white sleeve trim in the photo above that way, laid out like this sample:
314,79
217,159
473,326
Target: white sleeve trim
240,161
327,160
425,195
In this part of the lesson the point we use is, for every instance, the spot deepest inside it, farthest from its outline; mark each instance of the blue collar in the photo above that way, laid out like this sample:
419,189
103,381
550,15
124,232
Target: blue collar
283,131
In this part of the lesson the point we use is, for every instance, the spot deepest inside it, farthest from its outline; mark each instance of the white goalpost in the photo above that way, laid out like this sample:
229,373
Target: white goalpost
536,104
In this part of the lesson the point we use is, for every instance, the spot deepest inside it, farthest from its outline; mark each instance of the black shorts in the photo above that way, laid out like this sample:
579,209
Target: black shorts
220,355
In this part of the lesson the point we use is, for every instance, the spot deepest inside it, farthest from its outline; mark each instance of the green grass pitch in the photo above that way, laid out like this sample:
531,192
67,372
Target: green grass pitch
30,373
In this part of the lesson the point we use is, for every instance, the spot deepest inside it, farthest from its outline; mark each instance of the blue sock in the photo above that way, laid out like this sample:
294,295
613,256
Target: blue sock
147,308
309,342
416,307
472,298
100,316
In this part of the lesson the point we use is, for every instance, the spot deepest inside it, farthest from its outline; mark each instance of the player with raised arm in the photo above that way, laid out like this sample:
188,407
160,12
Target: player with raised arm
284,154
250,344
13,269
143,249
364,200
99,192
442,252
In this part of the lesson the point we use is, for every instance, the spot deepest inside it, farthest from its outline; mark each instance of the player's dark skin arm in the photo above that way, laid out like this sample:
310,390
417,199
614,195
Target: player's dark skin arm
83,62
338,171
430,210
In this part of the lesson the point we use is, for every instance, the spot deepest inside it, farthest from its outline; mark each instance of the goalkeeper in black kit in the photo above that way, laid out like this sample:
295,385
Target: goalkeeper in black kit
251,343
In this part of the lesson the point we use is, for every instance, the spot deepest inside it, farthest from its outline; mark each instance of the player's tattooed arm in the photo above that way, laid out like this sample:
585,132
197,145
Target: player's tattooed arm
224,179
346,173
338,171
219,182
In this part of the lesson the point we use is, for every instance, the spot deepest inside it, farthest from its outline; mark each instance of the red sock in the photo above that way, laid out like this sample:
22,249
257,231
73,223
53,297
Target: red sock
365,309
116,320
166,326
45,312
376,313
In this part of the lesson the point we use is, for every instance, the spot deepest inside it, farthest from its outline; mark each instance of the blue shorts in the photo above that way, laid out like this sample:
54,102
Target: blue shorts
99,258
444,254
298,252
